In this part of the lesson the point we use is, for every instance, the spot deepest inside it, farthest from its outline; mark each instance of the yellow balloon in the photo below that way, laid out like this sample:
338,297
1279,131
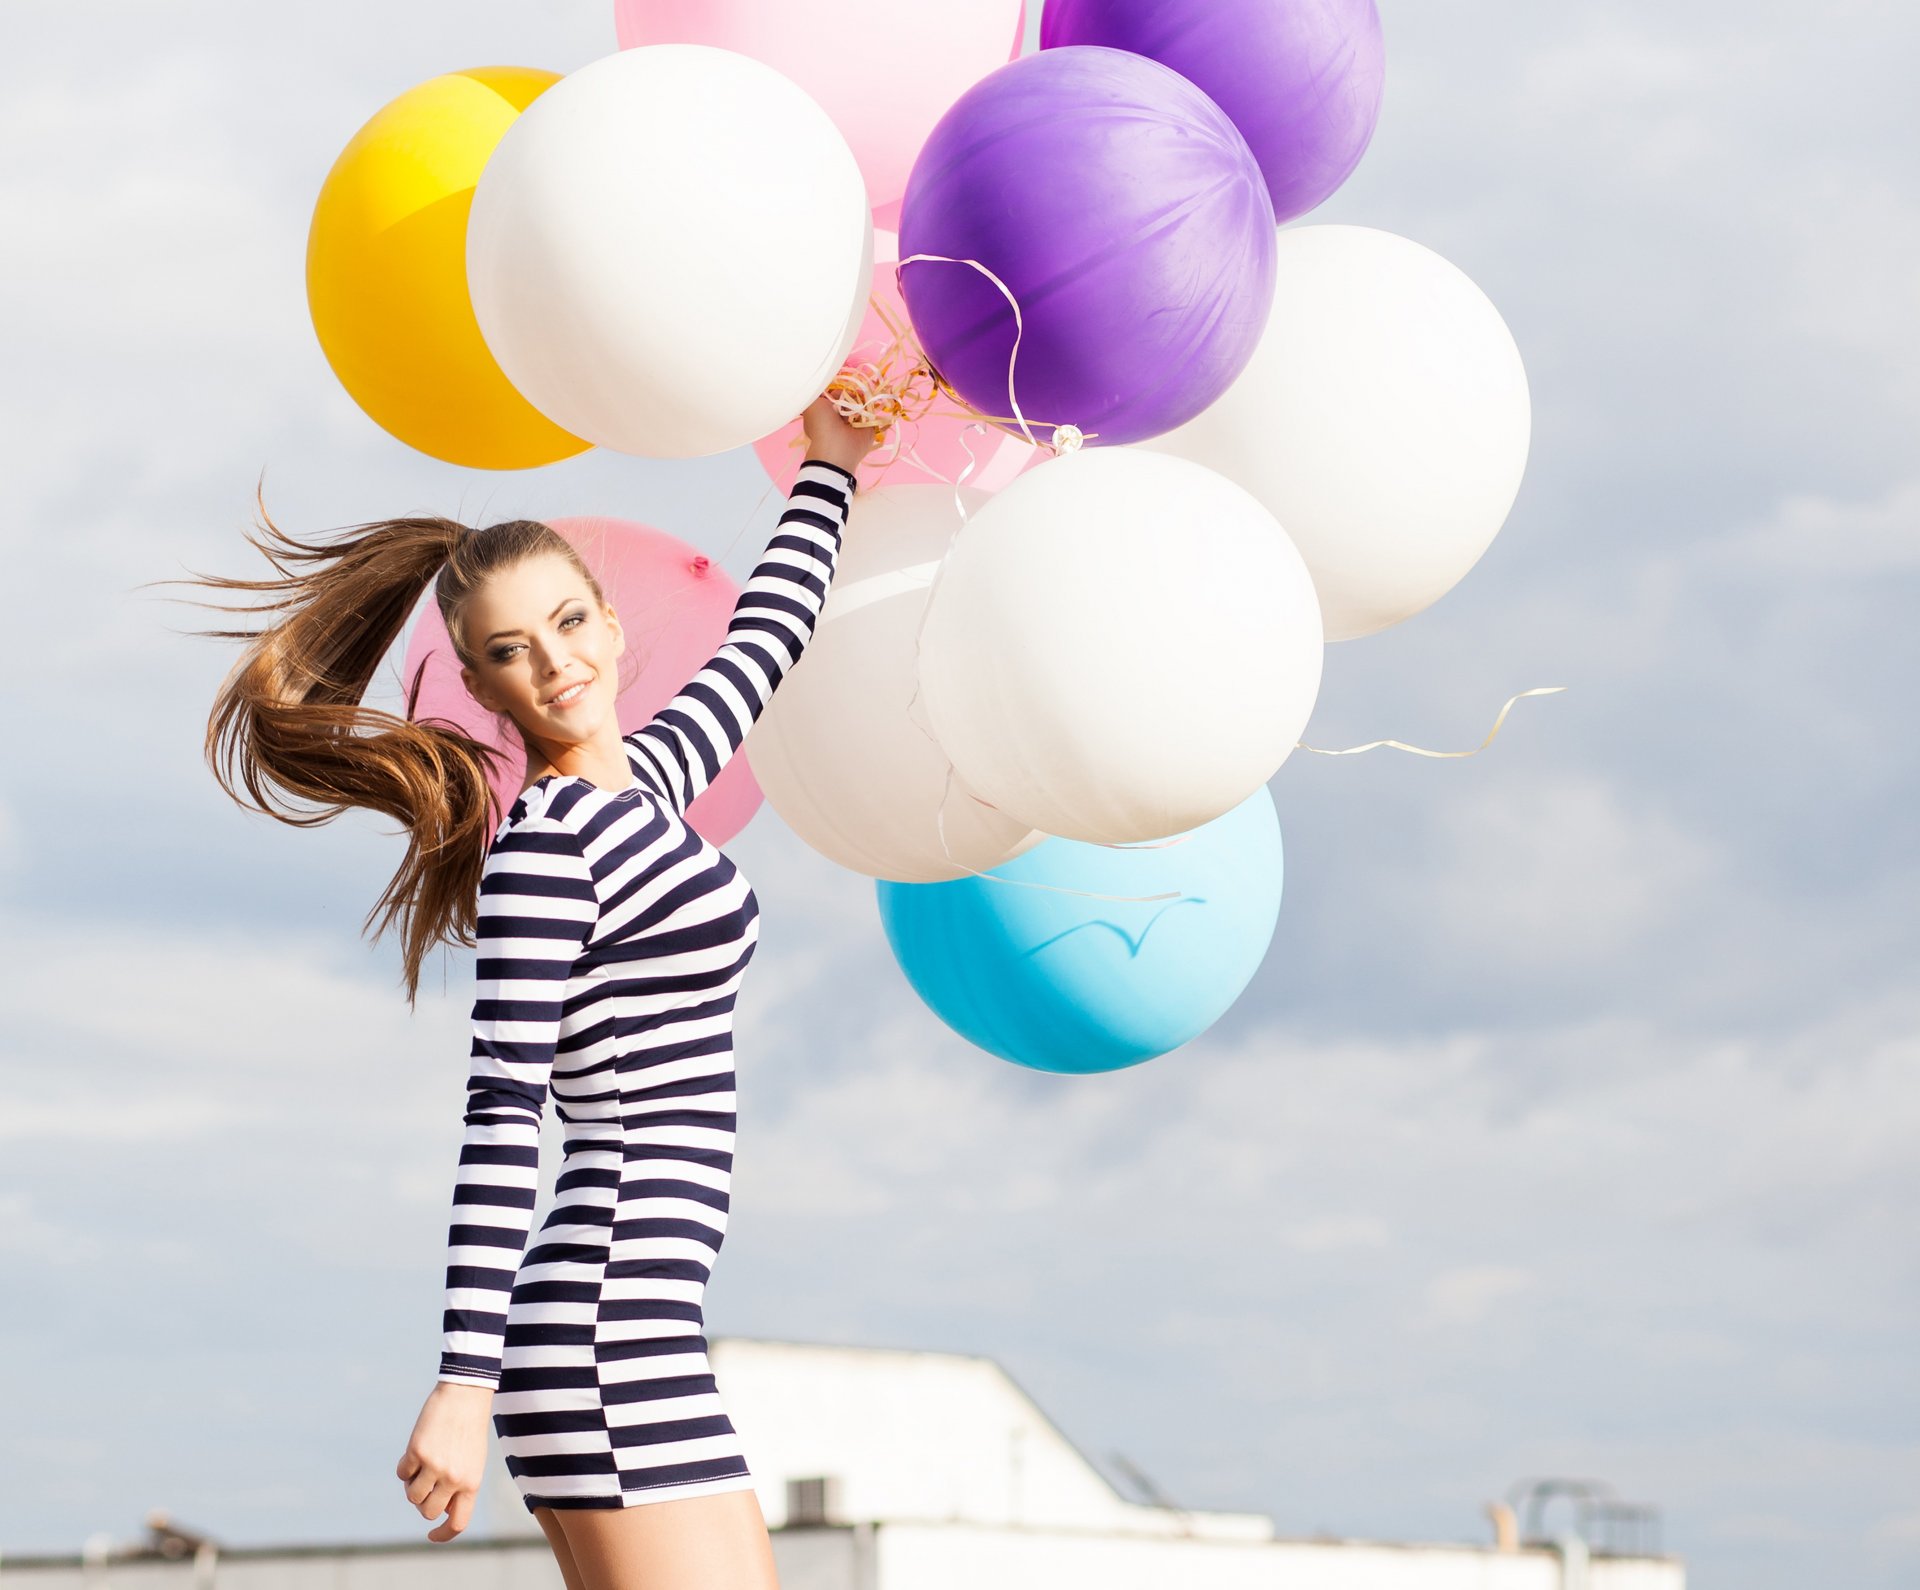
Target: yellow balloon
387,274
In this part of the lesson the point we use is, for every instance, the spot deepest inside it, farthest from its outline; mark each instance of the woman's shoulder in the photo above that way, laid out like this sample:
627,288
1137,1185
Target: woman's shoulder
577,806
548,803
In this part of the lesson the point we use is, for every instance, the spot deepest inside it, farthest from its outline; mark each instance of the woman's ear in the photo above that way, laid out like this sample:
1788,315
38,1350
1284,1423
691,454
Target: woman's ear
475,689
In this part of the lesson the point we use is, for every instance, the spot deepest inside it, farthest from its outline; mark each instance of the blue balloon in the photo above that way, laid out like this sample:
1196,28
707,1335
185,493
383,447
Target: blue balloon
1059,982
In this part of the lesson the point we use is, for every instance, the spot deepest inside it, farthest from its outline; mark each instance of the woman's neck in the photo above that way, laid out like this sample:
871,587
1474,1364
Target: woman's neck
600,761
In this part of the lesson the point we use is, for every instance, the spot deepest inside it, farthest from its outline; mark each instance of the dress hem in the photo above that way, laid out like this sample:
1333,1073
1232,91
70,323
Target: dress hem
640,1495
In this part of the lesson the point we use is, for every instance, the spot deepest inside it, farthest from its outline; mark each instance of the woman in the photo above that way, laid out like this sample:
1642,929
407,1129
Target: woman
611,944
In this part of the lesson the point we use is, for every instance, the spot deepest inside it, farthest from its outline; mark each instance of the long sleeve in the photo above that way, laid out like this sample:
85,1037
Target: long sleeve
696,733
537,908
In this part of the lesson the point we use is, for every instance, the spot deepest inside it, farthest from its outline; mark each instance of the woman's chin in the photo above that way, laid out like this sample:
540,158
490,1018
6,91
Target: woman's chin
580,722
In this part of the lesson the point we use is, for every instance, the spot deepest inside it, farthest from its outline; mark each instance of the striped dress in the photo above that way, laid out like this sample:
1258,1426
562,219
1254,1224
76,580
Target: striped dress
612,943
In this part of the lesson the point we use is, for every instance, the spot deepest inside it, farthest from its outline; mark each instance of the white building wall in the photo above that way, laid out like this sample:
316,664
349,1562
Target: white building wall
960,1557
904,1557
448,1566
825,1559
925,1436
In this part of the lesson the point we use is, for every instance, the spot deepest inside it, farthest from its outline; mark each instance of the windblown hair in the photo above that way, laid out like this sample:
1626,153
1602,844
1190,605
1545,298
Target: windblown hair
288,724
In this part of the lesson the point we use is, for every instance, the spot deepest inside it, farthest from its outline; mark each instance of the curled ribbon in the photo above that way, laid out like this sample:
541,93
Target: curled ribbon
898,387
1066,438
1539,690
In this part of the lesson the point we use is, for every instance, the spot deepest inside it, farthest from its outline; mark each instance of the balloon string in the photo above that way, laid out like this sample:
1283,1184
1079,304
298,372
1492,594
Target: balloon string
1019,323
897,388
1066,438
1541,690
960,509
940,814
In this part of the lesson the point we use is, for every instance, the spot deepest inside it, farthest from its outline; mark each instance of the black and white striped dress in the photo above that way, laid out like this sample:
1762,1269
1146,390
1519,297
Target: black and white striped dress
612,943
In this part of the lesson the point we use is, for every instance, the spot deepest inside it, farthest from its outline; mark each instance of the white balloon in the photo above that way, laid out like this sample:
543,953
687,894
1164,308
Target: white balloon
835,751
669,251
1384,420
1122,646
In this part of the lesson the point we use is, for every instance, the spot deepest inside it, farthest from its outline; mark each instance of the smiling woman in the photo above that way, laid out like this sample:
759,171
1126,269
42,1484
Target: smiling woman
612,942
555,676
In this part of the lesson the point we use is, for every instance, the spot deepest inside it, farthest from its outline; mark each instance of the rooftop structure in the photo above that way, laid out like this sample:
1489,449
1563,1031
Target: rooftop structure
899,1469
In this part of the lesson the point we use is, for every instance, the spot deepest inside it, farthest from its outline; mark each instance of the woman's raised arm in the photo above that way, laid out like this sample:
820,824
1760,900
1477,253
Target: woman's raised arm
683,748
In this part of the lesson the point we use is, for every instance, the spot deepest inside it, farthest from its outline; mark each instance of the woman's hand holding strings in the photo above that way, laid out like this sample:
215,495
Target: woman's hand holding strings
833,439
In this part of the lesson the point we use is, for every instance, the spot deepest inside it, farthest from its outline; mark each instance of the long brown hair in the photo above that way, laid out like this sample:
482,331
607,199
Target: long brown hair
288,720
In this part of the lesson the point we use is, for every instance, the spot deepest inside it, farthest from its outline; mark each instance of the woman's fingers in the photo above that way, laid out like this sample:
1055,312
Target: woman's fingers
437,1500
434,1493
459,1515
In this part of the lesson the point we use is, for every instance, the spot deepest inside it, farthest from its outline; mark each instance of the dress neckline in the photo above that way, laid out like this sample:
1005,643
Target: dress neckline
544,777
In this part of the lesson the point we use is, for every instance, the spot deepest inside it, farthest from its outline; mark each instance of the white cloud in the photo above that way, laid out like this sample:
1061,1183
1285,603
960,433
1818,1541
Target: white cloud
30,1236
1335,1233
1467,1295
1899,1528
1556,871
1811,535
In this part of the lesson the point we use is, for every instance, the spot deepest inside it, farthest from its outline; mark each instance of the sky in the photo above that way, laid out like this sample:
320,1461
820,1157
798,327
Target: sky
1567,1127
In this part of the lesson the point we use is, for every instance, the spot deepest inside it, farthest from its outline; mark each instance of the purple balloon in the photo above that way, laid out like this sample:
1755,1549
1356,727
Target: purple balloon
1300,78
1129,219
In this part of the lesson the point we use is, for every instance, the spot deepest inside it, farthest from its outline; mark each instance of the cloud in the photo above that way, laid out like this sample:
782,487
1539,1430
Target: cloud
1335,1233
1899,1528
1557,874
1466,1296
32,1237
1809,535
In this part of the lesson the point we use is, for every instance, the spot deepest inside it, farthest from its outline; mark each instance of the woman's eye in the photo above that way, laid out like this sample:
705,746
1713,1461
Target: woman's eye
573,618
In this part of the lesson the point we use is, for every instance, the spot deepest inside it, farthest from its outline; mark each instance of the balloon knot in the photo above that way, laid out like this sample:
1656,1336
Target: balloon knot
878,396
1067,439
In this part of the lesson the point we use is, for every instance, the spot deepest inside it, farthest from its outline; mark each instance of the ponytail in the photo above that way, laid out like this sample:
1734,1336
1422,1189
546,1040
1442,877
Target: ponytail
288,723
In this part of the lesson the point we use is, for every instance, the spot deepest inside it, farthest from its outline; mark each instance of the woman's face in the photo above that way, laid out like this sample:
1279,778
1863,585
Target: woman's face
544,650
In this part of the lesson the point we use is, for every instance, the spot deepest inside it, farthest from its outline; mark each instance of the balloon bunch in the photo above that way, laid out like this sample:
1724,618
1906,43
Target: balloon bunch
1148,446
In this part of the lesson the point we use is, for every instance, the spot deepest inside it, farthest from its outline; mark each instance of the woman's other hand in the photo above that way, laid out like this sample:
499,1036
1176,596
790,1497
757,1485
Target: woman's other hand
446,1456
834,440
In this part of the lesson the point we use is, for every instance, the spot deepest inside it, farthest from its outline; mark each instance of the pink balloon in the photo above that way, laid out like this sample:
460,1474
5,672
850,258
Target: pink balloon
937,448
674,605
885,73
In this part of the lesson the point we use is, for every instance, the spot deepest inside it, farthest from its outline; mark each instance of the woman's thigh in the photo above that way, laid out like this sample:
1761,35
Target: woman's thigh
549,1522
714,1542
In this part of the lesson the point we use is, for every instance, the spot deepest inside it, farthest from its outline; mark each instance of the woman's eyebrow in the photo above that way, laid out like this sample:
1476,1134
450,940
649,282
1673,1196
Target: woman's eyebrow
499,632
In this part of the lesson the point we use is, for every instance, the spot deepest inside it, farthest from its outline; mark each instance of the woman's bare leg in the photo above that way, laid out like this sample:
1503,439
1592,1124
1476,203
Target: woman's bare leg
714,1542
562,1552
